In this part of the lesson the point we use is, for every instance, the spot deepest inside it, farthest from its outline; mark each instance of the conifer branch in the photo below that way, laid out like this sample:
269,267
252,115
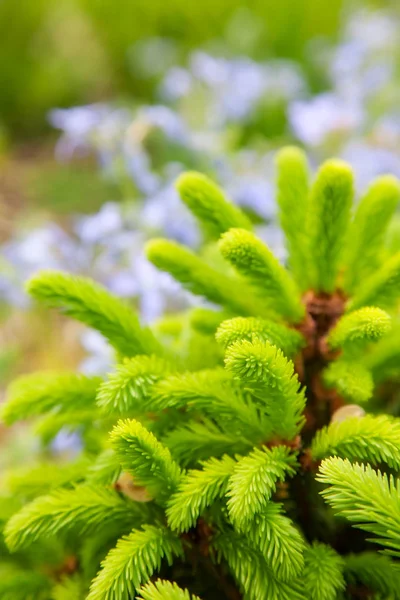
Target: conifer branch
133,561
251,571
39,393
142,455
357,329
258,266
164,590
366,498
93,305
86,507
218,395
251,328
380,289
127,390
323,572
269,375
384,358
278,540
201,279
292,199
350,379
377,573
372,438
367,232
208,203
328,217
253,482
198,490
196,441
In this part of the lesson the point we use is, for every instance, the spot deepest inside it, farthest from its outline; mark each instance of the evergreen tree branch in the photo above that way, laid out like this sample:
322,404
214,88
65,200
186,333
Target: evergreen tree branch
127,390
258,266
328,217
85,507
351,380
377,573
269,375
93,305
381,288
366,498
164,590
253,482
251,571
368,230
196,441
201,279
323,572
133,561
372,438
198,490
357,329
292,199
208,203
38,393
252,328
278,540
142,455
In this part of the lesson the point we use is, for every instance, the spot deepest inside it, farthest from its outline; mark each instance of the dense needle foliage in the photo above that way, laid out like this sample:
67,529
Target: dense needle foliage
248,449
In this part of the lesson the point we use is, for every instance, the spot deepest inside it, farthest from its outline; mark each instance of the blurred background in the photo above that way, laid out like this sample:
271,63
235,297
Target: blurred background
104,102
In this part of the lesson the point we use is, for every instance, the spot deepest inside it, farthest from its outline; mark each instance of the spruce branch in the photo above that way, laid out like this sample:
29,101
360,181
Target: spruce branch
254,480
252,328
278,540
133,561
201,279
196,441
323,572
149,461
377,573
250,569
105,469
38,479
354,331
258,266
22,584
198,490
328,217
381,288
269,375
38,393
208,203
93,305
85,507
368,230
384,358
292,199
372,438
67,589
350,379
366,498
214,392
127,390
164,590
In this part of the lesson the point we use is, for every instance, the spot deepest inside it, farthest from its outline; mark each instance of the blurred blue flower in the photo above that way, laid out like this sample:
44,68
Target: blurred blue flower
67,443
317,118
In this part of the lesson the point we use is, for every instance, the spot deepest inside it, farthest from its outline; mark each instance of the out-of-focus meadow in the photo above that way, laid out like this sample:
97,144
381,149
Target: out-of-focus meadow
104,102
